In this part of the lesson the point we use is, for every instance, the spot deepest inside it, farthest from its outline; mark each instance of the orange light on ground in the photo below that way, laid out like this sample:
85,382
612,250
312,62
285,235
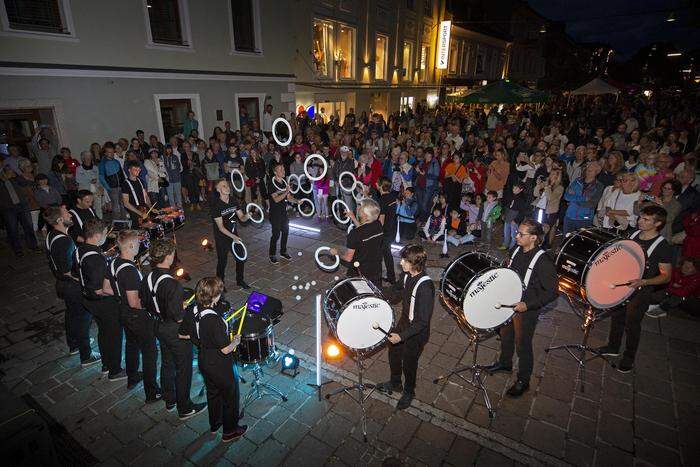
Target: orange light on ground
205,241
180,272
332,351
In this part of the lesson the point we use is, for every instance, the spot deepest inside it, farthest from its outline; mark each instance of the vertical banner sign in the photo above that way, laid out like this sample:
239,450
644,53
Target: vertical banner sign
444,44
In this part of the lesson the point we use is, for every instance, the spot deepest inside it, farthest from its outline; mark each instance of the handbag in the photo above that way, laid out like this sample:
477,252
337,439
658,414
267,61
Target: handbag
163,182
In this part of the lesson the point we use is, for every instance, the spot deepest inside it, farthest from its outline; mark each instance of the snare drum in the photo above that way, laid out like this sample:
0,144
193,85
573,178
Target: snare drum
352,307
474,287
166,222
153,229
178,217
594,264
257,339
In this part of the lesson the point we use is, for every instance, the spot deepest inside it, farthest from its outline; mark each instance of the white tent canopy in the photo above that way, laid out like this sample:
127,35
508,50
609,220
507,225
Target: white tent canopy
596,87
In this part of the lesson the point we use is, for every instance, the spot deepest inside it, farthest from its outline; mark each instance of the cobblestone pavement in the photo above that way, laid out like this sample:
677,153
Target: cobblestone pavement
650,416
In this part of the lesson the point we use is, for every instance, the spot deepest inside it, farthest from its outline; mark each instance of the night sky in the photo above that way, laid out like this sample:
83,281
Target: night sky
590,21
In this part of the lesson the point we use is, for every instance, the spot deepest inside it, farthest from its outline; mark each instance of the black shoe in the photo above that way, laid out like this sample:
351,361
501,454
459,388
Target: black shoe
118,376
234,435
157,398
170,406
405,401
105,370
498,367
625,365
215,429
134,381
518,388
274,260
196,408
389,387
243,285
607,351
92,360
285,256
75,351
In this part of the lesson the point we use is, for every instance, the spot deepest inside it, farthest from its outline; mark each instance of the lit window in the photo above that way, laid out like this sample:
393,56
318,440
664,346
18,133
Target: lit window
407,60
381,57
334,50
345,52
454,54
322,41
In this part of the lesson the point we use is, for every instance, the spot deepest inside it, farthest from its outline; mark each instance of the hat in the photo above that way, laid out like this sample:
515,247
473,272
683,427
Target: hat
345,148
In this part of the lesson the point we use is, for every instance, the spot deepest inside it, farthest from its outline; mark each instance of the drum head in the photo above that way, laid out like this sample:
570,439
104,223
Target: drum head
616,263
354,328
486,292
254,325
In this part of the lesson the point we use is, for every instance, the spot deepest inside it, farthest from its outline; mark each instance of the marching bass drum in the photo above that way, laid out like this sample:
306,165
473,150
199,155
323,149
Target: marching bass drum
594,265
352,307
474,287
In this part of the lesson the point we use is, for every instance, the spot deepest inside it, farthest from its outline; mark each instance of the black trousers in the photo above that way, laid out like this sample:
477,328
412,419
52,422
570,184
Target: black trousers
223,249
175,366
222,390
280,228
388,258
517,336
77,318
628,320
139,329
403,360
109,331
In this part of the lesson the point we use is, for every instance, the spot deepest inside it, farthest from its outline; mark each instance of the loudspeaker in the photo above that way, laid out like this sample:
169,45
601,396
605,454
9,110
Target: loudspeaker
258,302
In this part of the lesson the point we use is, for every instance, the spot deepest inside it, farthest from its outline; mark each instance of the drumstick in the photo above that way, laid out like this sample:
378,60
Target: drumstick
189,300
149,211
612,286
245,312
376,327
501,305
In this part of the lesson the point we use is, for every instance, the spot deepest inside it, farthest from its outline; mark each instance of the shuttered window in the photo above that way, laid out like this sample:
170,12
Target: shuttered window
243,25
35,15
165,21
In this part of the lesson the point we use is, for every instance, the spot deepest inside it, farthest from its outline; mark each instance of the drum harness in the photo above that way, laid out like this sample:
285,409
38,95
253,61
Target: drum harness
49,244
652,247
77,217
80,260
133,191
413,293
153,288
530,267
115,274
198,315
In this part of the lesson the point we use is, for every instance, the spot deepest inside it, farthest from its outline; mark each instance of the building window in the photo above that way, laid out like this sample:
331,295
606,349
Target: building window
323,33
428,8
243,22
345,52
454,58
479,64
424,57
49,17
168,22
411,4
407,61
465,59
380,57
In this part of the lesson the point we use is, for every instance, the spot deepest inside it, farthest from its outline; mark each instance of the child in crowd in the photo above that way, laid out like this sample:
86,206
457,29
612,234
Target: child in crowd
406,208
682,292
514,215
489,214
434,228
460,229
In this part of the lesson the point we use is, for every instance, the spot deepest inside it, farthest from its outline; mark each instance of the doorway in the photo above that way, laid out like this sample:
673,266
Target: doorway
331,109
171,112
406,103
248,109
17,127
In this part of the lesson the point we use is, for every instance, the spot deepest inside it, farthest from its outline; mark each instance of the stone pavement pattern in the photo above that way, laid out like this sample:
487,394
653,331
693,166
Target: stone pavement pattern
649,417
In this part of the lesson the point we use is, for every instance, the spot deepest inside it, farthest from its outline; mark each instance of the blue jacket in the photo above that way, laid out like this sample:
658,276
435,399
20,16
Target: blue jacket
173,168
582,199
108,167
406,211
432,175
388,168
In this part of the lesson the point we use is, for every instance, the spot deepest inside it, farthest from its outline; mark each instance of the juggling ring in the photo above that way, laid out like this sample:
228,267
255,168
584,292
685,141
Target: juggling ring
240,175
289,182
354,182
306,165
311,185
259,208
245,250
350,227
313,208
336,216
331,268
274,183
274,135
358,197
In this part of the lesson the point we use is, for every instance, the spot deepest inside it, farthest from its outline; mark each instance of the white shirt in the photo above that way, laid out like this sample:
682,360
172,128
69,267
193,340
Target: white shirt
267,122
622,202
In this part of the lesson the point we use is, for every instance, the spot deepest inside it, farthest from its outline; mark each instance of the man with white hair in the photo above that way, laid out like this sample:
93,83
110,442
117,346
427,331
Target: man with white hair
583,195
363,255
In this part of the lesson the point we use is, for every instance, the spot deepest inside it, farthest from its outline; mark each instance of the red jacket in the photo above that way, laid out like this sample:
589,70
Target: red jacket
684,286
479,182
71,164
691,244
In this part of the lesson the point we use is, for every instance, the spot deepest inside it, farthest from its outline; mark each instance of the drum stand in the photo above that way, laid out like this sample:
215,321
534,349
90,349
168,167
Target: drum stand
362,397
589,319
475,369
260,389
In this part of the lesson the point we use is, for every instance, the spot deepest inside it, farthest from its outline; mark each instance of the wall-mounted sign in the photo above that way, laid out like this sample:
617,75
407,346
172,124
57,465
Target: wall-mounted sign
444,44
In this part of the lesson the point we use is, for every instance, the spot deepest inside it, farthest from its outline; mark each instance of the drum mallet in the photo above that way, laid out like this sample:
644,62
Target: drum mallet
624,284
377,327
501,305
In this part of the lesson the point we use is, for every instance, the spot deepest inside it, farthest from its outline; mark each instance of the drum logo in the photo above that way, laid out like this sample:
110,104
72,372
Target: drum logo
482,285
607,254
364,306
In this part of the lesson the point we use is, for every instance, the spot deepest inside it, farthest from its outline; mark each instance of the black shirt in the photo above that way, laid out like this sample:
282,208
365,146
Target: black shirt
80,217
170,296
422,309
278,210
663,253
127,278
387,205
227,211
542,288
93,268
134,189
366,240
61,254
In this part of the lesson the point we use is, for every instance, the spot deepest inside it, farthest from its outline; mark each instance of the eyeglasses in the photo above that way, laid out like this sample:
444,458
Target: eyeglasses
522,234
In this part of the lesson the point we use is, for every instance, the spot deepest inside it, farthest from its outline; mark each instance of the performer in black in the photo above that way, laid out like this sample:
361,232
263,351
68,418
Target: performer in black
539,276
364,243
216,360
225,213
163,296
651,221
387,217
60,250
134,195
139,326
413,329
278,212
98,297
81,213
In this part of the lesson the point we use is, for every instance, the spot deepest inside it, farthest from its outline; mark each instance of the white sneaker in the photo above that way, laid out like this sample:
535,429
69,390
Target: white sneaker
655,311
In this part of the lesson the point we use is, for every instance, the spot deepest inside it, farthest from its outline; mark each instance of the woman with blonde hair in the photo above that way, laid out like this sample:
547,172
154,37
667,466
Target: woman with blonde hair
620,208
547,200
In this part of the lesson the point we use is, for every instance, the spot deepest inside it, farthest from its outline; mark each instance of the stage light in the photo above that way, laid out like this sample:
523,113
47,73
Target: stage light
304,227
290,362
206,244
180,273
332,351
674,54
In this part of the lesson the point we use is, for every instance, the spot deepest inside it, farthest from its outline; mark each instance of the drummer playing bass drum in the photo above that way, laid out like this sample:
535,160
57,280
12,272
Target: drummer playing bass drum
413,330
539,276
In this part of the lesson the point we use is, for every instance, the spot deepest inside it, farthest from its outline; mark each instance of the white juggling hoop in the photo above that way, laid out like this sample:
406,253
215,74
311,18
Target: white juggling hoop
306,169
274,135
339,202
354,181
325,267
251,206
359,191
302,213
235,253
301,184
240,177
277,187
351,226
290,179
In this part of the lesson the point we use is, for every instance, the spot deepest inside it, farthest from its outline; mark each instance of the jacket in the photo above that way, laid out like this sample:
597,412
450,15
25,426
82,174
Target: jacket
406,210
582,199
108,169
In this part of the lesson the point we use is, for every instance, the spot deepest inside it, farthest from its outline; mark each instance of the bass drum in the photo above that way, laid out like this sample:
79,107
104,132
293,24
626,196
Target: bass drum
352,307
594,265
474,287
257,340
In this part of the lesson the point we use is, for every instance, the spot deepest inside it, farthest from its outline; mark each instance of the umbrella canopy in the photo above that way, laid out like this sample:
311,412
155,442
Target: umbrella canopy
596,87
501,92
